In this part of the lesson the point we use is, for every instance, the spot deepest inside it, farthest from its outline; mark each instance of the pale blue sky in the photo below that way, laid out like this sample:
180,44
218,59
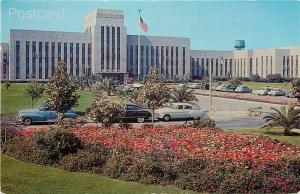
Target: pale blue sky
209,25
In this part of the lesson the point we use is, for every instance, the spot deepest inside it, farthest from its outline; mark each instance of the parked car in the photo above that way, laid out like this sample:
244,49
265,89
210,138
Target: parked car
179,110
276,92
218,88
243,89
228,88
134,112
290,94
205,86
263,91
194,86
43,114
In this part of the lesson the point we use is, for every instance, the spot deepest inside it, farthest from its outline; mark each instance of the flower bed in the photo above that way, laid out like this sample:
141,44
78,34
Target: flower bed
199,159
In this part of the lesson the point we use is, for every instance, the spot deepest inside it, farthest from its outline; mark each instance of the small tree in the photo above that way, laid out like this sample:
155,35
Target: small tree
287,118
104,109
107,85
34,91
61,91
7,85
182,94
156,92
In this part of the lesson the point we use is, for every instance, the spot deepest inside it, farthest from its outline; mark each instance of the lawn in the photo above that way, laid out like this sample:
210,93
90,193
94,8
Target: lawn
258,85
13,99
274,133
22,177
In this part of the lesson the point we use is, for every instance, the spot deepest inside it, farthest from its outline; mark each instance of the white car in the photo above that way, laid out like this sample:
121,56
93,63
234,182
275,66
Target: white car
262,92
194,85
276,92
180,110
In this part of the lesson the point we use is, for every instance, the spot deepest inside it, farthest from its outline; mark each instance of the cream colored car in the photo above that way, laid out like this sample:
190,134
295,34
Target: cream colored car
180,111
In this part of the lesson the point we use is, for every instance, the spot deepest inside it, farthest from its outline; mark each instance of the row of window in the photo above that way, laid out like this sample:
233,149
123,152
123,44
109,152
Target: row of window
47,48
200,67
163,58
289,70
107,33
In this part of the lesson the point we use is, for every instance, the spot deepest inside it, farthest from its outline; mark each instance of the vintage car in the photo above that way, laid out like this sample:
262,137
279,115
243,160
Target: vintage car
228,88
43,114
179,111
134,112
276,92
194,86
243,89
263,91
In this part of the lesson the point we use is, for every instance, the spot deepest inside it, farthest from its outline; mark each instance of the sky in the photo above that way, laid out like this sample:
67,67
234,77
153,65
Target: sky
210,25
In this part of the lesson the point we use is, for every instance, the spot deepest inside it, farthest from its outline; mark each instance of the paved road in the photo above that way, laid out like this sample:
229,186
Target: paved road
232,113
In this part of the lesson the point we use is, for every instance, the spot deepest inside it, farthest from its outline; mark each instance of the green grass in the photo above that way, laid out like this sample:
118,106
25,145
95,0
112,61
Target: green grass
22,177
274,133
13,99
258,85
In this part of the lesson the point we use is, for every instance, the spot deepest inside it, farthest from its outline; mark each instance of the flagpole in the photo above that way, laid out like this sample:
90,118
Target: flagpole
139,45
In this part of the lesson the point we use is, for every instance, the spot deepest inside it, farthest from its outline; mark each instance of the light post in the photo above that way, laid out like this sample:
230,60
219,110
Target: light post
210,86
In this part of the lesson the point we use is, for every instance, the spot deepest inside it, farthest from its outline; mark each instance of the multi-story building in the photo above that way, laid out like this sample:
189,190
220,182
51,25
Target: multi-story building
105,49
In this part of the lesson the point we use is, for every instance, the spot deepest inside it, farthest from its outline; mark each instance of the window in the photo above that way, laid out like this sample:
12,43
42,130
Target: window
131,61
262,66
89,58
83,57
118,48
172,62
256,65
162,59
157,58
288,66
77,59
271,64
142,61
59,51
17,59
292,66
113,47
187,107
136,60
297,67
167,61
266,66
152,56
192,66
283,66
46,60
52,57
132,108
107,47
251,66
176,61
65,53
27,60
102,47
230,67
71,58
33,59
180,107
198,67
147,59
40,60
202,67
217,68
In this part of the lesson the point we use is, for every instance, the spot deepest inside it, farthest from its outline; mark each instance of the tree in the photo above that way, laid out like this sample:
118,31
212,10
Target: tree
107,85
274,78
156,92
7,85
104,109
61,91
235,81
296,88
182,94
287,118
254,77
34,91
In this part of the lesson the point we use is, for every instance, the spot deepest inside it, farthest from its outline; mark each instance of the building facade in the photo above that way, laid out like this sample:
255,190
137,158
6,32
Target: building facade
105,49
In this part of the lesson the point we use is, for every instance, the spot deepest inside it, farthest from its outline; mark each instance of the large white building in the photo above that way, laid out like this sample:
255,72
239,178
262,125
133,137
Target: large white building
105,49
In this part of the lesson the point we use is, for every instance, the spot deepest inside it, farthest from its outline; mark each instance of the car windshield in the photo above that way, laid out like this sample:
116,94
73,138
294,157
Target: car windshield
43,105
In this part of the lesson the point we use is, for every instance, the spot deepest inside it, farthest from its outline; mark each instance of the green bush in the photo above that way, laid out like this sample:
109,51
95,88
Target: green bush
91,158
204,122
53,143
19,148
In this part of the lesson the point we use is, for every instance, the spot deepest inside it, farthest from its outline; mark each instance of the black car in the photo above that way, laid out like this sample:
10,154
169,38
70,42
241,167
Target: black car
134,112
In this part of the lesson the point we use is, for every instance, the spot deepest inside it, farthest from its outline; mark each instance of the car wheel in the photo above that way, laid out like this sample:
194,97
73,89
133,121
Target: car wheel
167,118
27,121
141,120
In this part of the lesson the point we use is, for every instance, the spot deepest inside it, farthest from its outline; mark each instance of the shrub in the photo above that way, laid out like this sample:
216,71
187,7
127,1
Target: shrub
19,148
274,78
254,77
91,158
235,81
204,122
53,143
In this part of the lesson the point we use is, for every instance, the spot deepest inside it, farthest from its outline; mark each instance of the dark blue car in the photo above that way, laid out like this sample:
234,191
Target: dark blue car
42,114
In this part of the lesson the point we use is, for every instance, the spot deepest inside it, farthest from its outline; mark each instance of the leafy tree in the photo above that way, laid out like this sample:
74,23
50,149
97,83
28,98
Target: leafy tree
34,91
274,78
156,92
104,109
61,91
296,88
182,94
254,77
7,85
107,85
287,118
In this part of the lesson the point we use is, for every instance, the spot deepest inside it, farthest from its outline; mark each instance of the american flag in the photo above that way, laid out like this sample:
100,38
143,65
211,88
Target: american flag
143,25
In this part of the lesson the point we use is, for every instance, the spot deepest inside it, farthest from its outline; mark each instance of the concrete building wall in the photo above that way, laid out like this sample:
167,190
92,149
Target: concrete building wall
30,47
170,55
